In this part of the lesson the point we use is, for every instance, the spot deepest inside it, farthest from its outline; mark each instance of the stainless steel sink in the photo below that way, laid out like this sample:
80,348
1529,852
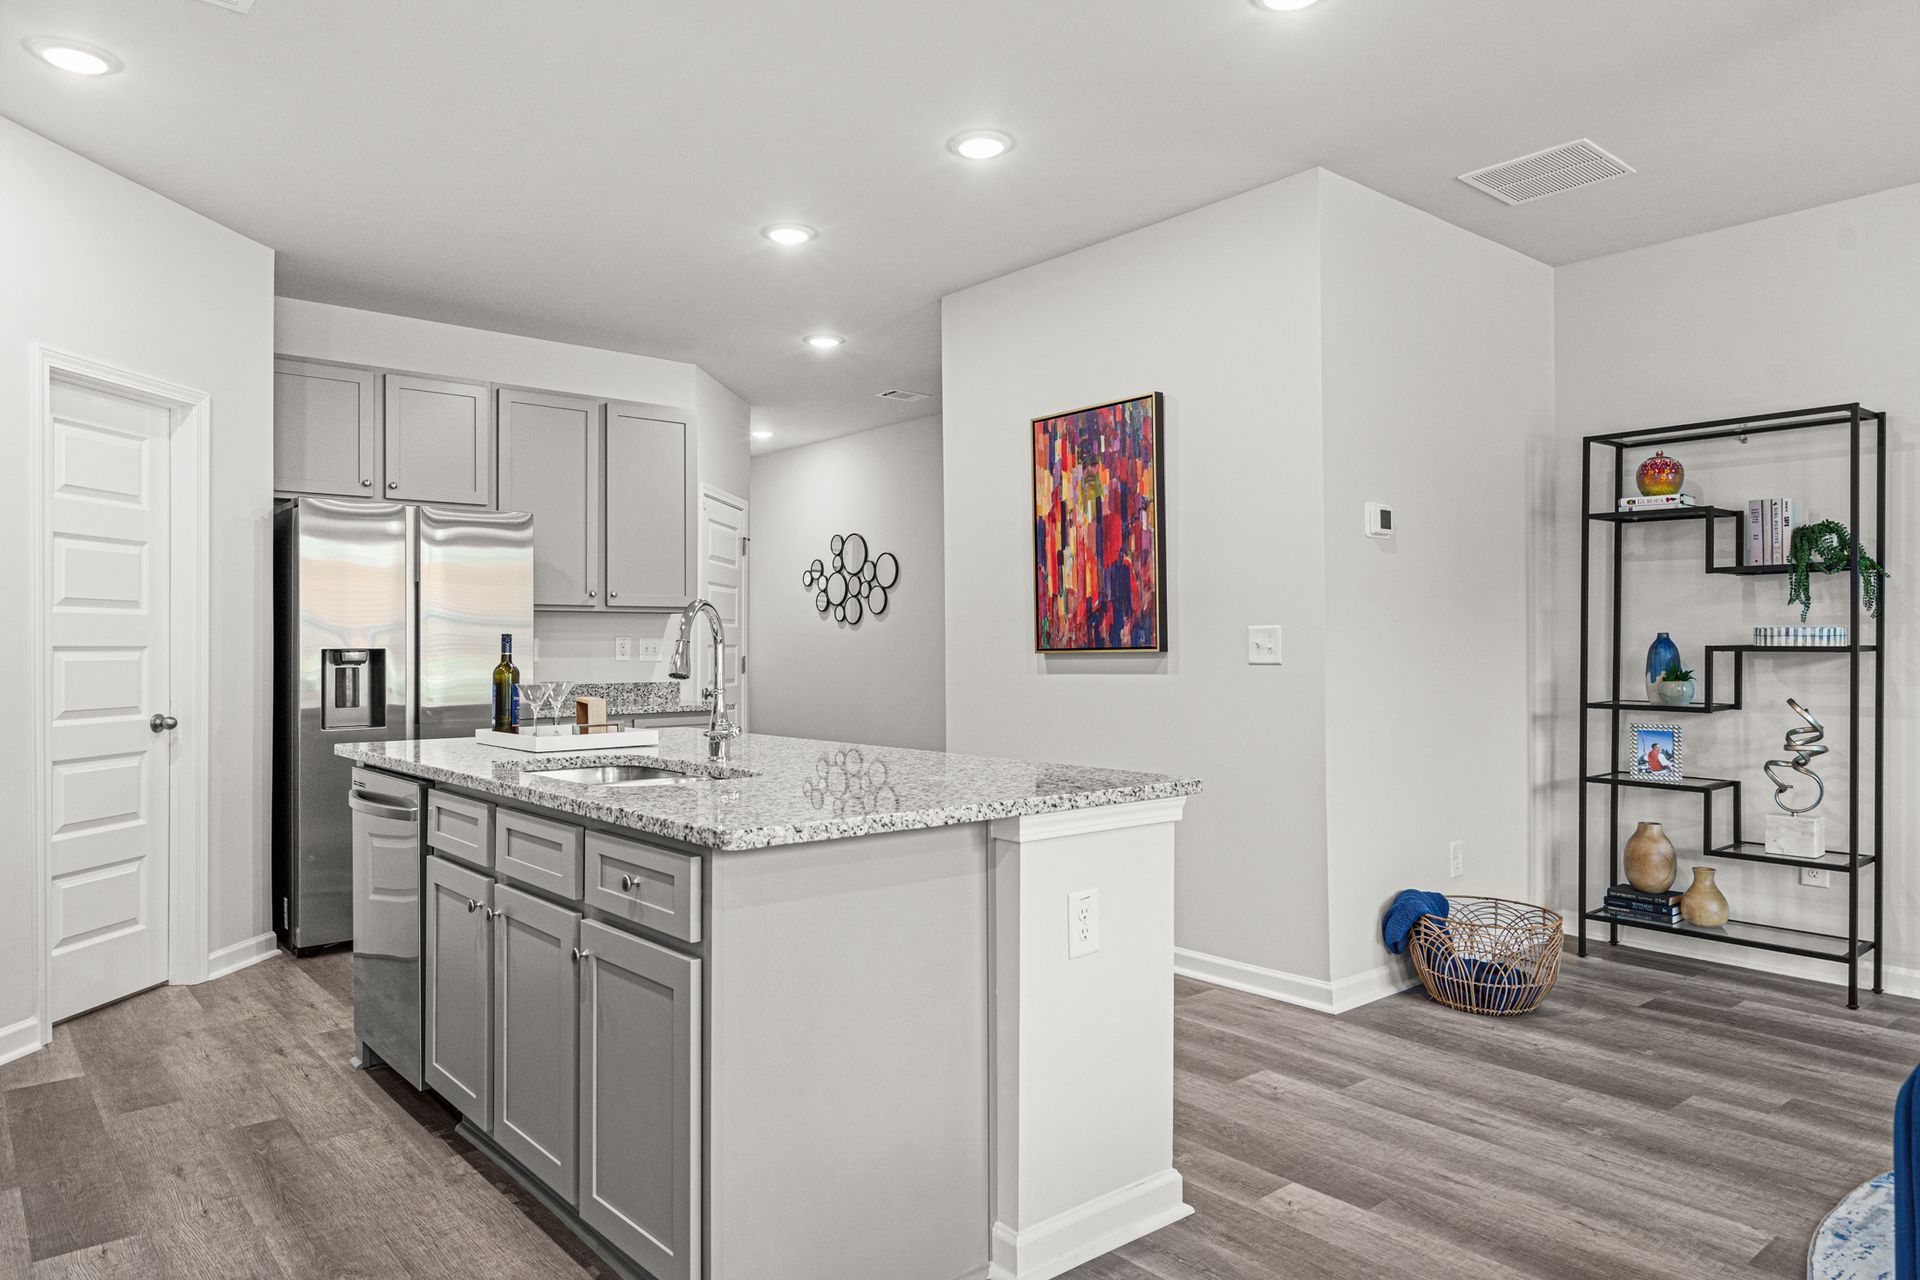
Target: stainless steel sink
613,775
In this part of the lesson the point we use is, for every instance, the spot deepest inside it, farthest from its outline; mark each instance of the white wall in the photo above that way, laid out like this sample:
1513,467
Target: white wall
1219,309
1319,346
1812,308
102,268
1438,370
572,645
883,680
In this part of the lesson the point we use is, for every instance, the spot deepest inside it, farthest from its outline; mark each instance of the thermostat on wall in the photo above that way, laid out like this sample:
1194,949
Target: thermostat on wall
1379,520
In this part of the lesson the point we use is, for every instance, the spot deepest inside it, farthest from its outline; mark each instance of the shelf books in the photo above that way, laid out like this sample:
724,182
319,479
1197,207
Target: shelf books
1664,502
1664,907
1769,530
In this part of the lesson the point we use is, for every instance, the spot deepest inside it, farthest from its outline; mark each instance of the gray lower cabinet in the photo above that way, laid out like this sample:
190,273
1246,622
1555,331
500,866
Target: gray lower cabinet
640,1081
536,990
550,466
653,507
458,1012
439,441
325,430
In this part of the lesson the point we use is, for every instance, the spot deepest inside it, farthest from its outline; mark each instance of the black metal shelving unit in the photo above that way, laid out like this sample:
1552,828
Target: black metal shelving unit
1863,426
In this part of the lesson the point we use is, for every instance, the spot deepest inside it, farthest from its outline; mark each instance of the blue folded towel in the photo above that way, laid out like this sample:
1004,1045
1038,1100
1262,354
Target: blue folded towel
1906,1181
1404,912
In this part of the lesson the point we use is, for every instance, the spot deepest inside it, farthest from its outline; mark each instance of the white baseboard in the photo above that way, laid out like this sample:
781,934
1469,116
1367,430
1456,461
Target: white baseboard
1066,1240
1313,993
20,1039
1896,980
241,954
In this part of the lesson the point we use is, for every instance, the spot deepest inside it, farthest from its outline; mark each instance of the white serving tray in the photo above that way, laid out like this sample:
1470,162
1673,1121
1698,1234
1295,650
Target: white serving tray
571,743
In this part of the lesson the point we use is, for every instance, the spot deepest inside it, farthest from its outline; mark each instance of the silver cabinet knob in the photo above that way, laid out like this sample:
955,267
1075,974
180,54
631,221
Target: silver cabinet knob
366,484
591,595
580,953
472,906
493,913
393,484
162,722
613,595
627,884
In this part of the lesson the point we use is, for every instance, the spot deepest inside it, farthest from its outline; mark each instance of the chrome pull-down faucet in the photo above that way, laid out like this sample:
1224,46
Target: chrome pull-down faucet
720,728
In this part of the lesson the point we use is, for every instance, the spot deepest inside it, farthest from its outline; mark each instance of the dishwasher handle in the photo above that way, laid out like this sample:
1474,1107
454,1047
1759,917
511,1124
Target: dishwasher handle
363,802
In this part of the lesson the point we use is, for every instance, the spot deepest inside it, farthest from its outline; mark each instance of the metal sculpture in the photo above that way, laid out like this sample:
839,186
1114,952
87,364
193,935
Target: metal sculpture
1804,744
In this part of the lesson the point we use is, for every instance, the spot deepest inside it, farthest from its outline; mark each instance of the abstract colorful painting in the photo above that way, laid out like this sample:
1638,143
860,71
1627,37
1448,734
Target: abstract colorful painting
1099,570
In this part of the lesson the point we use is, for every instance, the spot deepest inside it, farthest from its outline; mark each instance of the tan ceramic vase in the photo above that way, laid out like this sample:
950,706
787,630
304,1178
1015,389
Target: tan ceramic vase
1650,864
1703,904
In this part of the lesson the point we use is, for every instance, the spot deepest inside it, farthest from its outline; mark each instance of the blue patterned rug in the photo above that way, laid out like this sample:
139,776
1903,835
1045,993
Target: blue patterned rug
1855,1241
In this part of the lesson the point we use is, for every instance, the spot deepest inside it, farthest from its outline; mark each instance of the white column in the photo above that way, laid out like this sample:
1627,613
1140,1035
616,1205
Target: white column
1082,1048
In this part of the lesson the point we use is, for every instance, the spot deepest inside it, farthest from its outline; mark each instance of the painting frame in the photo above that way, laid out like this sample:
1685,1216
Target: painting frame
1647,737
1156,407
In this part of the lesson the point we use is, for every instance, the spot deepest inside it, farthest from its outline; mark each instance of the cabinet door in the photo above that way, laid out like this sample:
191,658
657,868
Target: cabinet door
652,507
536,1002
550,467
640,1100
439,441
459,982
325,435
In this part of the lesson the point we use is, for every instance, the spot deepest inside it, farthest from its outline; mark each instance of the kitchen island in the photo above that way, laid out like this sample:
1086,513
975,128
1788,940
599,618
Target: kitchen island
825,1010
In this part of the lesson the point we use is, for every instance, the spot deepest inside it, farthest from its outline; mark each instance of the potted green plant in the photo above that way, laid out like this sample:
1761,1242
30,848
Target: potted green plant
1675,686
1827,547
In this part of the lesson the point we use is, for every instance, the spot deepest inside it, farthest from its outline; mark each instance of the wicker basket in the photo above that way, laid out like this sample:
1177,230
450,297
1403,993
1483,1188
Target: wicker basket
1488,955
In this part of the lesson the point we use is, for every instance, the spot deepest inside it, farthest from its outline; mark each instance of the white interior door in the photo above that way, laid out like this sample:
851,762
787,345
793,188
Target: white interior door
107,672
723,575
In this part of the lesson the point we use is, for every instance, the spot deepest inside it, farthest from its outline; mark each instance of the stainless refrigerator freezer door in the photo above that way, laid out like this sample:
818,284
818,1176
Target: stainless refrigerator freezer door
476,583
387,868
344,586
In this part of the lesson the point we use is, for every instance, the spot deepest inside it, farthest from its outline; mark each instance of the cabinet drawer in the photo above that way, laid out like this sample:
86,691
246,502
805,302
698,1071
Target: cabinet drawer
460,828
539,854
644,885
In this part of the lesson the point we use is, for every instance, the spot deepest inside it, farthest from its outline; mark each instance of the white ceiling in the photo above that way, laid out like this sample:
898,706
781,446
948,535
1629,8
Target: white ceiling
596,171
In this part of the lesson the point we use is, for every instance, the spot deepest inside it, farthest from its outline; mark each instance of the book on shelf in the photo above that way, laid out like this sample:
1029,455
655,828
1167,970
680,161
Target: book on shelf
1769,530
1656,502
1654,917
1627,893
1756,538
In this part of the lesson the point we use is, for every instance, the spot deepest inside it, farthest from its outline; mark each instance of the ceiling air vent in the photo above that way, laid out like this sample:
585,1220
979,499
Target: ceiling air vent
1547,173
905,397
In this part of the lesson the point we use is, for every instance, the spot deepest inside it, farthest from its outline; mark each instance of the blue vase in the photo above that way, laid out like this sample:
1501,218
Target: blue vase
1661,654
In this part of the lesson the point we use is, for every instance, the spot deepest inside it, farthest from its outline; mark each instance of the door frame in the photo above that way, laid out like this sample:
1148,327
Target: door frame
746,582
188,636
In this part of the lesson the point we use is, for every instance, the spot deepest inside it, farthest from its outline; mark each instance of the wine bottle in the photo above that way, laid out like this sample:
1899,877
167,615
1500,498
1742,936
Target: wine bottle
506,690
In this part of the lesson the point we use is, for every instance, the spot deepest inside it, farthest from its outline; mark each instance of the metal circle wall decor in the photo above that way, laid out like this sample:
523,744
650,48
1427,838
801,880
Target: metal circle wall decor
857,584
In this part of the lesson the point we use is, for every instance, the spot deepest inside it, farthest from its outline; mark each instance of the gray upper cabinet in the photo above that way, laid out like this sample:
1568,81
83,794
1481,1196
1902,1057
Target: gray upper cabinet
325,430
535,1011
639,1101
439,441
550,467
652,507
458,1009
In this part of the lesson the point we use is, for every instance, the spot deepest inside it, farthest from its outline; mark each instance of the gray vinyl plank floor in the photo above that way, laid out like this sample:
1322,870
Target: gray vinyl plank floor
1657,1118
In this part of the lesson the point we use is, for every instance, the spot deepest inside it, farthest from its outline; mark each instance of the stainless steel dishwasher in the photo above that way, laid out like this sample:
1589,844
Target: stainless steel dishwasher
387,871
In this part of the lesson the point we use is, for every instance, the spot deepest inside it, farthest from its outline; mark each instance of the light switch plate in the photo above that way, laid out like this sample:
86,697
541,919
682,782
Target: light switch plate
623,649
650,650
1263,646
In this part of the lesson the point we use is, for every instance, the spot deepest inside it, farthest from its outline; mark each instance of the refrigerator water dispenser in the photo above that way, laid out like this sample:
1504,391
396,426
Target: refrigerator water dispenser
353,688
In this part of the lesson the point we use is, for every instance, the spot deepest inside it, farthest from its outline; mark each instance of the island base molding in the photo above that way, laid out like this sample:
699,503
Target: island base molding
1082,1048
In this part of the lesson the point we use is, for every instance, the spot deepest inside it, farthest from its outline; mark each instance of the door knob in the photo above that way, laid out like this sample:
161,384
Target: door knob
162,722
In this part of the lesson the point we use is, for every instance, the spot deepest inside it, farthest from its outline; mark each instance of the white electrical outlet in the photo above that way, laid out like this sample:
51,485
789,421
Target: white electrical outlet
1816,877
623,649
1456,859
1083,923
1263,646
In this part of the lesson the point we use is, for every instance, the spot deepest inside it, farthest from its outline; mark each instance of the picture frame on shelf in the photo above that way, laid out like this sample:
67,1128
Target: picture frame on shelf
1657,753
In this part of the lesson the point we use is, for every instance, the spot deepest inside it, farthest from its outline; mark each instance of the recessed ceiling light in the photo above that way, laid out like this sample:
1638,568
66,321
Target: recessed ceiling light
824,341
763,434
788,233
71,55
1283,6
980,144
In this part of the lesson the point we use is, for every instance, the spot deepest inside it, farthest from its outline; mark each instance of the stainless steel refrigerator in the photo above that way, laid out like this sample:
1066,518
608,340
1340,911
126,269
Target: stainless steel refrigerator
387,625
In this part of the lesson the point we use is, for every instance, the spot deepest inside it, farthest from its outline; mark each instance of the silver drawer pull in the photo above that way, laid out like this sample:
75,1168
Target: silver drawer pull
580,954
493,913
472,906
628,884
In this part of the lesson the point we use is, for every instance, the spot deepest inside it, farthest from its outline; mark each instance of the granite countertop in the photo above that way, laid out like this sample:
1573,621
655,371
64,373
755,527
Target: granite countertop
641,697
775,790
